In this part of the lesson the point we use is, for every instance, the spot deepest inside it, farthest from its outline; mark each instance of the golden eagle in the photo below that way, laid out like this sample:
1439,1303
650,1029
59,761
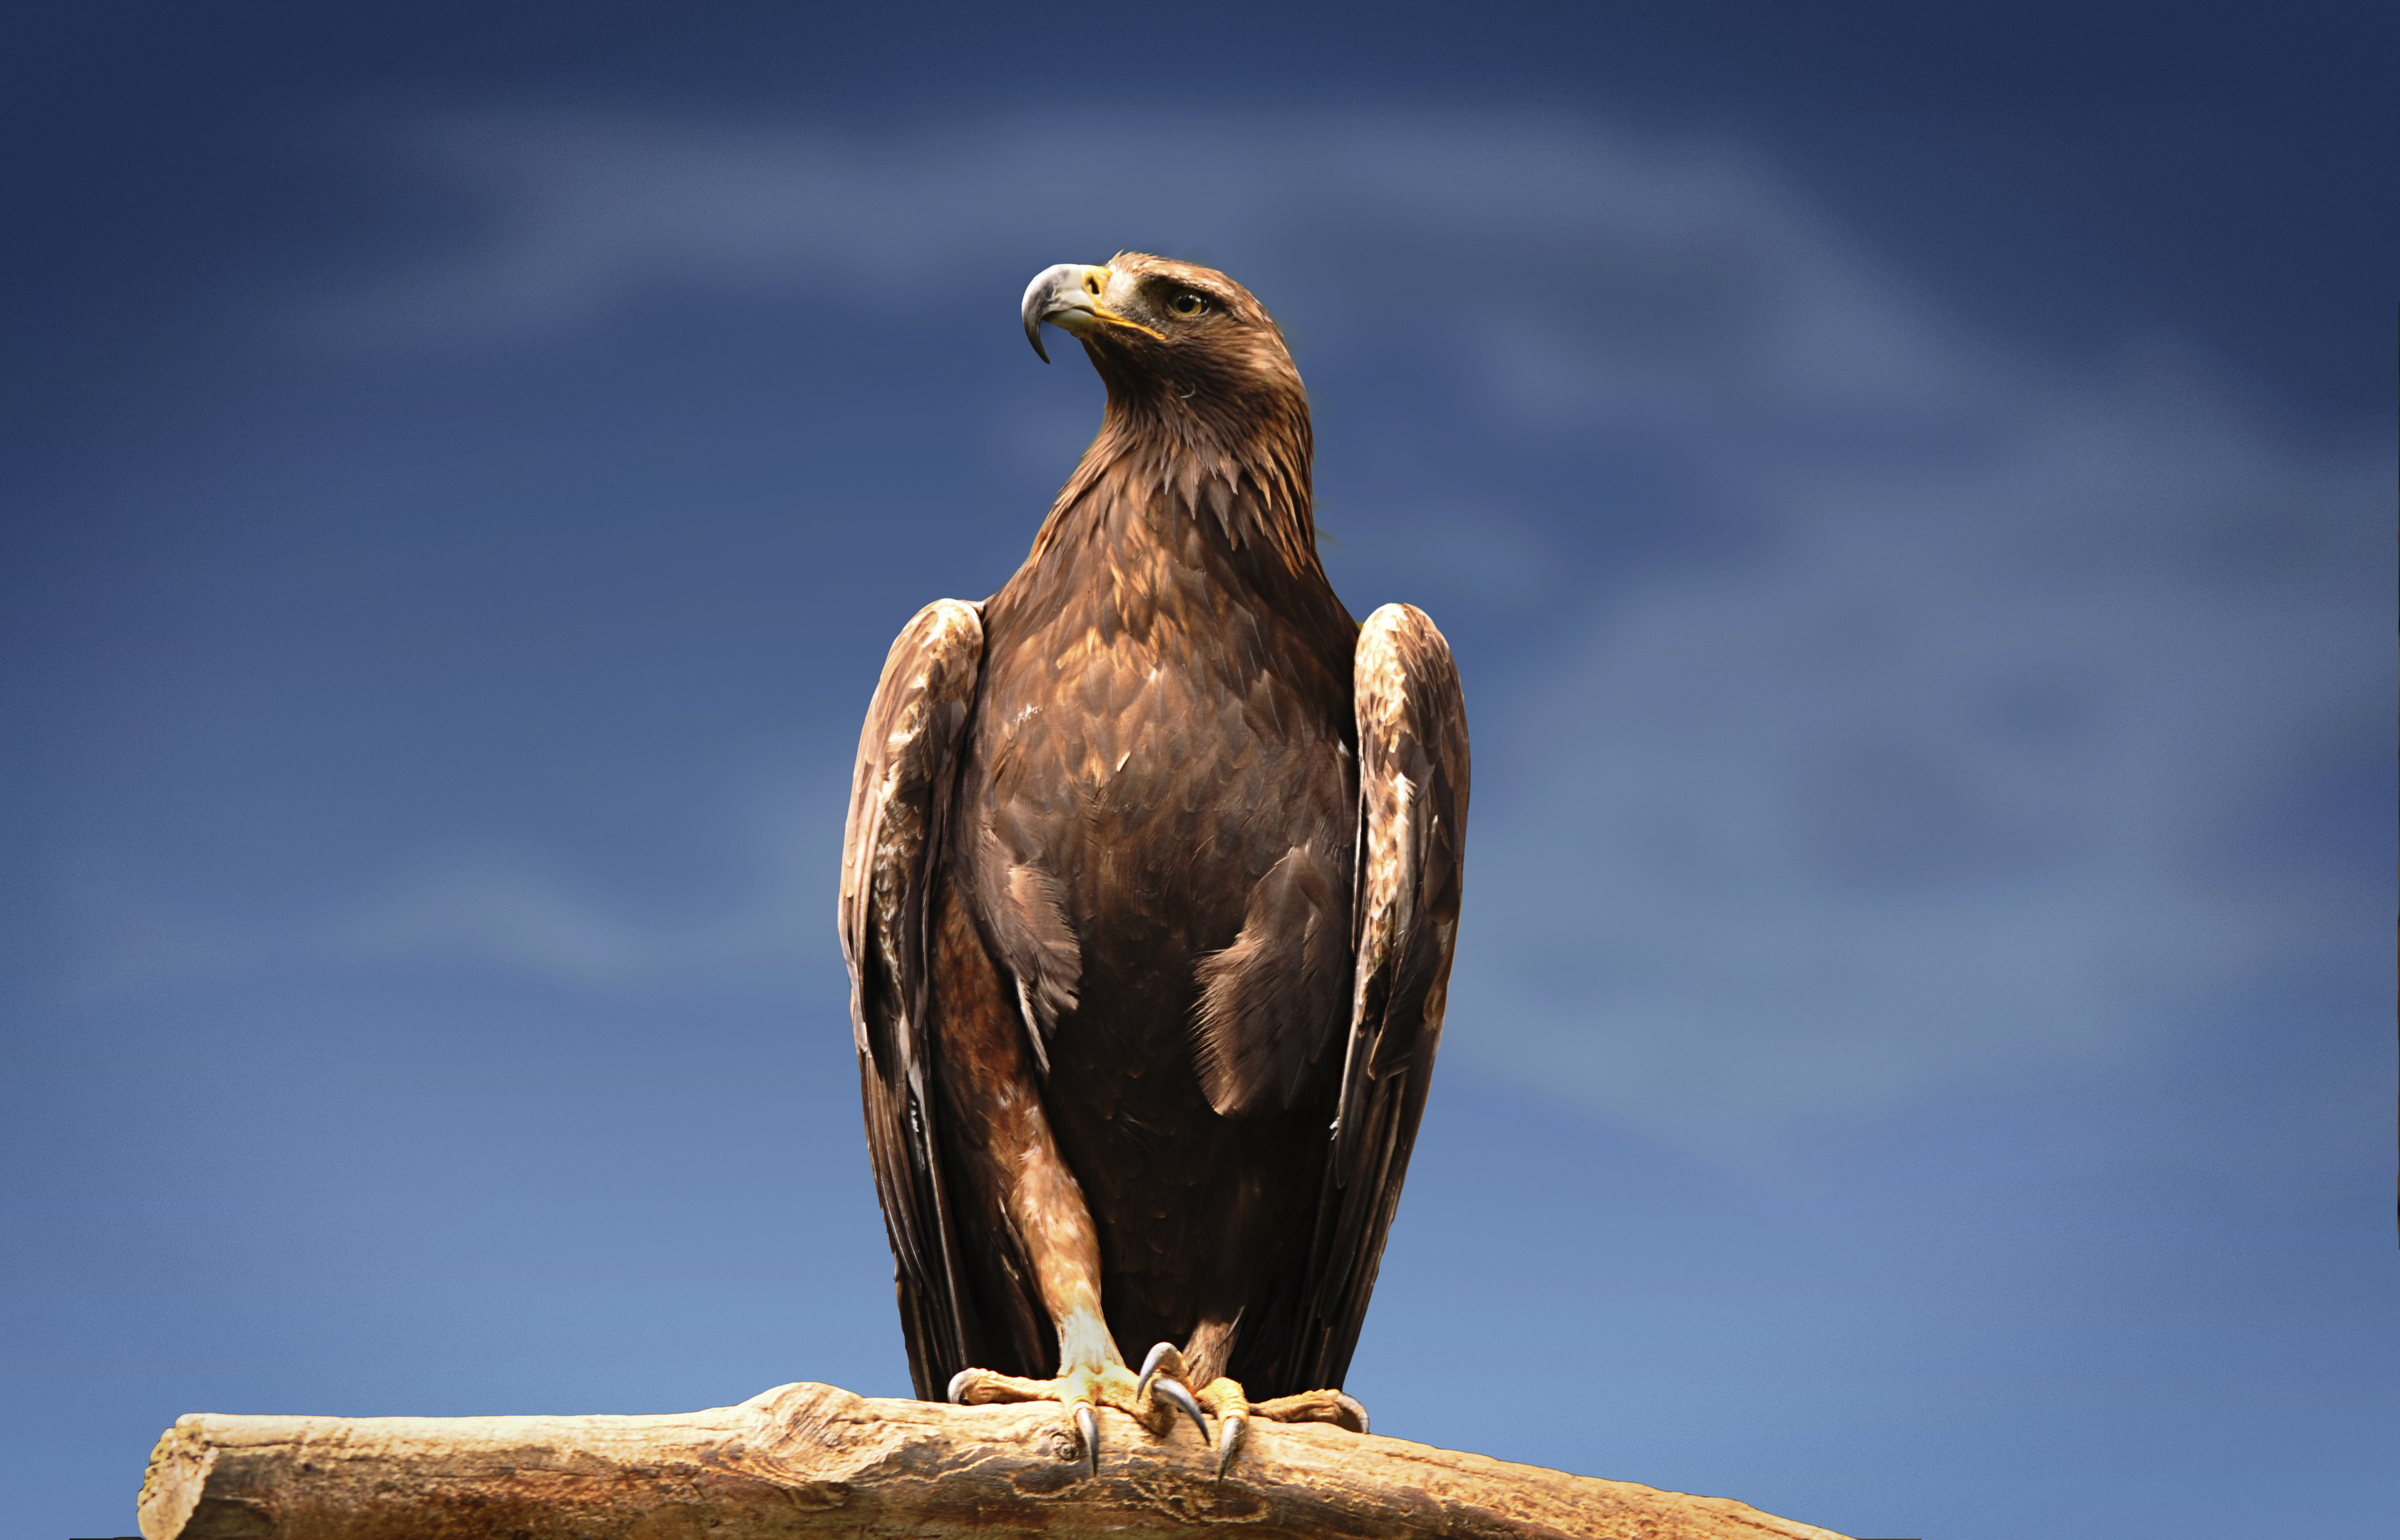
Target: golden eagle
1147,893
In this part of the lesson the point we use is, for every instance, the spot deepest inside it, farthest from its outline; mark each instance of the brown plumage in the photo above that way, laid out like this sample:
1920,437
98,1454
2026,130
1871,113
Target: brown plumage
1149,893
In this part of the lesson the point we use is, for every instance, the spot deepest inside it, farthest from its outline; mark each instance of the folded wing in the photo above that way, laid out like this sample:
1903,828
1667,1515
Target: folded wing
899,809
1413,792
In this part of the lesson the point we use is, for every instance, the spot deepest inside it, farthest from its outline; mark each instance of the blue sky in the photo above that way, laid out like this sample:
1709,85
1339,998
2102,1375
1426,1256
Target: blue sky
1911,498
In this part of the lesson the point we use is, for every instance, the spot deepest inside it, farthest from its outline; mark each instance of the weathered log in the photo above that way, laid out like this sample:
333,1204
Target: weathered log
811,1460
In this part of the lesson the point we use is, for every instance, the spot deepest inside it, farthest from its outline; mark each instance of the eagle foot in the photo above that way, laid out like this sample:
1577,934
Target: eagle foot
1080,1390
1162,1372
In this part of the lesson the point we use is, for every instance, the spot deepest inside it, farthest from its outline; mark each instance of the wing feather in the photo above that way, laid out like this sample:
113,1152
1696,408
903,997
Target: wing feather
1414,774
899,804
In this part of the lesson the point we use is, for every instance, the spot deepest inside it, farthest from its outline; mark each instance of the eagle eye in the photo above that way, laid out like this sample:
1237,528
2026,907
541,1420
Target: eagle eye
1189,303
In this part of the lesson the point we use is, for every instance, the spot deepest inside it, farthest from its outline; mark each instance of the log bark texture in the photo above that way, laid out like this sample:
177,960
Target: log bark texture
805,1460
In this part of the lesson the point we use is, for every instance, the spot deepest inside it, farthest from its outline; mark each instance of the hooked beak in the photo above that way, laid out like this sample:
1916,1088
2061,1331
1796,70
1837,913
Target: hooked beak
1067,297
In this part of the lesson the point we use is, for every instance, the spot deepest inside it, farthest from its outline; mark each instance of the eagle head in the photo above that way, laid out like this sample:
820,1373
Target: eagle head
1206,412
1162,329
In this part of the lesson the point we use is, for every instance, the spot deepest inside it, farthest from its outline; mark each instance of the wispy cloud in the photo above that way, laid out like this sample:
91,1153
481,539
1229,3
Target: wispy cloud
1948,784
521,910
1466,219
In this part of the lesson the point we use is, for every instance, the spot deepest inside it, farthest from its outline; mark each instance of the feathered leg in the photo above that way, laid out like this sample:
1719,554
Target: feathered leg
1011,1158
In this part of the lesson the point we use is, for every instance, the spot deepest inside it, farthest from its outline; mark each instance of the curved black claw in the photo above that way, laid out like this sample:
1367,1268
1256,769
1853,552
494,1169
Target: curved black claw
1231,1433
1175,1391
1163,1372
1089,1428
1354,1409
1162,1357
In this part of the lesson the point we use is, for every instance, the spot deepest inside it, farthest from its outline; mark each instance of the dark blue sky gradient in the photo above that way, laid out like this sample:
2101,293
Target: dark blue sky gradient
1910,490
2065,168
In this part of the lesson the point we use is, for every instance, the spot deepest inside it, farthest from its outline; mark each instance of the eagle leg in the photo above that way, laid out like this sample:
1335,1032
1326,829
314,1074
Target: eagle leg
1008,1158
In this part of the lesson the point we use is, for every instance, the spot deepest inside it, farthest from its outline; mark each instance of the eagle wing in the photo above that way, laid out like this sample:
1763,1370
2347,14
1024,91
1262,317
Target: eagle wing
1413,791
899,806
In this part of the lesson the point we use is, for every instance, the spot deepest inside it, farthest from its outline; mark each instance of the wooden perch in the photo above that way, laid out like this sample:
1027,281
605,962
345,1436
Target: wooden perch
811,1460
